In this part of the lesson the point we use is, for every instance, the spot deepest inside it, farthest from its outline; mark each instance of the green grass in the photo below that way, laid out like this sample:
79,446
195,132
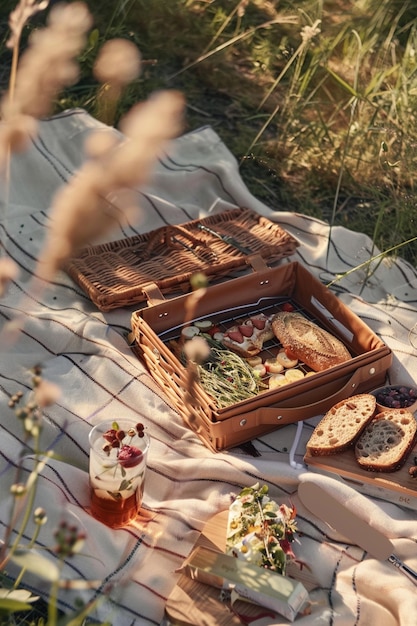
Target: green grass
326,127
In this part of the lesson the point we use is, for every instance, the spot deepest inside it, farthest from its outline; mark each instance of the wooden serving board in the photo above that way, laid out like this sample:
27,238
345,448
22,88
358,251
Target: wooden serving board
193,603
396,487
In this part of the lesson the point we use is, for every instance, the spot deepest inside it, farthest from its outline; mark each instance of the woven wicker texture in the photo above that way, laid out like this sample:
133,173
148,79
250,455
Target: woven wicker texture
156,339
113,274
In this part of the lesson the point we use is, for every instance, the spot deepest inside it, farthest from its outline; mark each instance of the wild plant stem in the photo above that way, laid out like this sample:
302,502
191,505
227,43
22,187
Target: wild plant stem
53,599
29,547
229,43
9,526
260,133
345,148
221,29
281,74
374,258
27,503
114,14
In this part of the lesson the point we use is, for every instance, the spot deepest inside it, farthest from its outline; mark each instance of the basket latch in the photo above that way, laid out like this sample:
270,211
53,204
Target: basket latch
153,294
257,263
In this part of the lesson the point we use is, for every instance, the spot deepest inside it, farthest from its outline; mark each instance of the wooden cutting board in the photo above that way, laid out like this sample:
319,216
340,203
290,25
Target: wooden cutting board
396,487
192,603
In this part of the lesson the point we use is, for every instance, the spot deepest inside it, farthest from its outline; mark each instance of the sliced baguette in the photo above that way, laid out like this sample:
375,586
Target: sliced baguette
342,425
386,441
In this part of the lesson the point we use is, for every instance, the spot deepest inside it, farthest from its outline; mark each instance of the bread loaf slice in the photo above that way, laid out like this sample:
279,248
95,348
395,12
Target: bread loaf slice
386,441
342,425
309,343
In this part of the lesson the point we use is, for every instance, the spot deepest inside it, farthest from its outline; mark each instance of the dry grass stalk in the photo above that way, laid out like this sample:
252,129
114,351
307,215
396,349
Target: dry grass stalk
45,68
8,272
196,354
81,211
117,65
17,21
84,210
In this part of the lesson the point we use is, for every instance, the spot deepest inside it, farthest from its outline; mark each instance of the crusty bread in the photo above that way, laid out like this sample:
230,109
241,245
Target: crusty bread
309,343
342,425
386,441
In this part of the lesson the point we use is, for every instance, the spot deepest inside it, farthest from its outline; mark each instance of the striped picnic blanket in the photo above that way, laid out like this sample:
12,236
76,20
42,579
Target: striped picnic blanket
85,352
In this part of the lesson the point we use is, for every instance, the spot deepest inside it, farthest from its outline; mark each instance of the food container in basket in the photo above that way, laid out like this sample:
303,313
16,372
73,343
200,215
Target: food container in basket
265,289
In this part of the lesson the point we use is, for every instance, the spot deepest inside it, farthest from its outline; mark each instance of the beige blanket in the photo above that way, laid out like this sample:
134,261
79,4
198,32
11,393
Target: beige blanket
85,352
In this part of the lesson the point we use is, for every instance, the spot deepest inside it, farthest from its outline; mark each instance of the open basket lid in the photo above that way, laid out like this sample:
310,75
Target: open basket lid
113,274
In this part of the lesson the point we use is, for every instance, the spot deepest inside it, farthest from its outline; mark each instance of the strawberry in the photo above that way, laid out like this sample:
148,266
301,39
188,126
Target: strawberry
214,330
246,330
287,307
235,335
258,322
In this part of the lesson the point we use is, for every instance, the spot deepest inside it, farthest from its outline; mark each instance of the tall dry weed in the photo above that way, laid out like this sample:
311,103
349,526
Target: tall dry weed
45,68
86,208
97,197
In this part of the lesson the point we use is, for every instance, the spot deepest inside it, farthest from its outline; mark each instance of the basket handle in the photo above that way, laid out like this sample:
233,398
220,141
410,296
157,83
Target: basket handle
281,416
177,237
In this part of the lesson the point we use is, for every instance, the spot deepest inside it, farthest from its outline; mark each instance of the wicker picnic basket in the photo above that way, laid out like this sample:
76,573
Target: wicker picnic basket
241,254
114,274
157,327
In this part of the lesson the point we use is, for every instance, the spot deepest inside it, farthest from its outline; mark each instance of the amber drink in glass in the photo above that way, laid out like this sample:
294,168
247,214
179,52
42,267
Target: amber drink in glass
118,454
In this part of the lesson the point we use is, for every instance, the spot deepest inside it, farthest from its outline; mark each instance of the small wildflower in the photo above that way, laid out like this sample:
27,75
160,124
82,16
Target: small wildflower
129,456
22,414
120,435
36,370
261,531
15,399
110,435
18,490
309,32
69,540
39,516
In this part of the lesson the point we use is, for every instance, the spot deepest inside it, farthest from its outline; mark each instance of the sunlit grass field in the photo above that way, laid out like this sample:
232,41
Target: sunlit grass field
317,100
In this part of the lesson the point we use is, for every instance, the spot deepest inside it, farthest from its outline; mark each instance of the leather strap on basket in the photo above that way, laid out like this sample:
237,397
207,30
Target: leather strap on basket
289,415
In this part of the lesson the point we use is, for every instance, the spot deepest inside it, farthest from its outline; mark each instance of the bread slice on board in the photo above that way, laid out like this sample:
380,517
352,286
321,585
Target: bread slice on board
308,342
342,425
386,441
